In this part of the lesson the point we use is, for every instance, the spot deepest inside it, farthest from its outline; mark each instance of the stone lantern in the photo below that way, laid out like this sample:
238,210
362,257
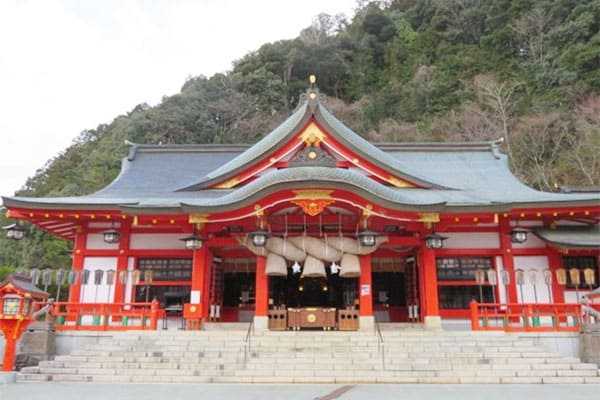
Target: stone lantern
17,295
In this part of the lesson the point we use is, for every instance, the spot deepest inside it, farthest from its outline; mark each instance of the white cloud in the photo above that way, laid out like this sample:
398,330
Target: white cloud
68,65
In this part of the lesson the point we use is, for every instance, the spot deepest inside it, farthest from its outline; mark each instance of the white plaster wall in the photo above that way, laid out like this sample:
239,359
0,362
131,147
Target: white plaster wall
460,240
528,293
572,296
95,241
165,241
502,296
101,293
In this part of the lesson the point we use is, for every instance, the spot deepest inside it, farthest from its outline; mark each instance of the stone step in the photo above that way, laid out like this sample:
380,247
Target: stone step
411,356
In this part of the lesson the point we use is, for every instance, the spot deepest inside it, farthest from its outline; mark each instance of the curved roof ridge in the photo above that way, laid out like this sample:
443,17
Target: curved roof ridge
368,150
266,144
313,174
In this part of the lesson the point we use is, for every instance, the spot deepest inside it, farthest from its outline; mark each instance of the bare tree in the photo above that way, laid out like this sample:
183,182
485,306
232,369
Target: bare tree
497,96
531,29
540,141
585,140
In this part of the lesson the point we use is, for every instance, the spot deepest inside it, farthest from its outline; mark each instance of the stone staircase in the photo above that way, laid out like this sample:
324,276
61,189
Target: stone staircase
410,355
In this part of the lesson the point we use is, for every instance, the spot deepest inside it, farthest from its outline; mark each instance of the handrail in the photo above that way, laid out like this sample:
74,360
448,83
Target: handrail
527,317
106,316
247,341
380,343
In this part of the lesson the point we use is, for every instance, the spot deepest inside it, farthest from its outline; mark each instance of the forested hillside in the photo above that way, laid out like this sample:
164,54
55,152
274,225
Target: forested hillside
396,71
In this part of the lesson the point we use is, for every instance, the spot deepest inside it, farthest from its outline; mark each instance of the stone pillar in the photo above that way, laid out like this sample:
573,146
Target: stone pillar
38,343
589,343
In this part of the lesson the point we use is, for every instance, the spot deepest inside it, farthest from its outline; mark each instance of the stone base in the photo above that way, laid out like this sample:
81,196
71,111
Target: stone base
38,343
589,340
367,323
8,377
261,323
433,322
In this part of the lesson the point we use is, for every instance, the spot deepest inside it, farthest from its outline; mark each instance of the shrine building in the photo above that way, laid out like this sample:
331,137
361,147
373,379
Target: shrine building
314,216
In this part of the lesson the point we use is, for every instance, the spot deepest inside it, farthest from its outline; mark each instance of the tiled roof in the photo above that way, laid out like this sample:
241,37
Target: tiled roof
174,177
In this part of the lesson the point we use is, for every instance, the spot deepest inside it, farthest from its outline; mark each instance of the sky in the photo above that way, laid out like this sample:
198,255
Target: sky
70,65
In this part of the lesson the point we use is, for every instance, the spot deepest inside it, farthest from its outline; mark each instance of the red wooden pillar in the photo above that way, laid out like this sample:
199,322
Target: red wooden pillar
430,306
199,269
77,265
262,288
554,263
508,262
122,260
365,286
204,256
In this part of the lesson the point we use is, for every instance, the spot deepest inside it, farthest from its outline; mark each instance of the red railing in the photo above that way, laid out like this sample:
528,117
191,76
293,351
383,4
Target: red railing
106,316
516,317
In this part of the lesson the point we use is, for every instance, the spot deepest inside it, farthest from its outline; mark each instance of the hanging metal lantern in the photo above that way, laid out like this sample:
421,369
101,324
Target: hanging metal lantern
276,265
15,231
367,238
434,241
193,241
111,236
518,235
314,268
350,266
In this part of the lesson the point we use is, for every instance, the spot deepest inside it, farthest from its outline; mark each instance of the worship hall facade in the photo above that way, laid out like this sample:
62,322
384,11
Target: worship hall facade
314,218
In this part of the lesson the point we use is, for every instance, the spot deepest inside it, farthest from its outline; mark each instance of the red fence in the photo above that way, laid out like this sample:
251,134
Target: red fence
516,317
106,316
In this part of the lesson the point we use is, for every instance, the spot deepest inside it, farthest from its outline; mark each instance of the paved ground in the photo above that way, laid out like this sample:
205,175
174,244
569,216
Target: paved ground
96,391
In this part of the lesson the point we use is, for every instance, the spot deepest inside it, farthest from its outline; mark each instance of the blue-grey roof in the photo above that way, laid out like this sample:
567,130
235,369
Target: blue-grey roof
571,236
178,177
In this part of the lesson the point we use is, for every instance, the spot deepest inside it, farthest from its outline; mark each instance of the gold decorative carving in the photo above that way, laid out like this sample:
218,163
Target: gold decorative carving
429,217
399,182
228,184
312,135
259,210
312,207
198,218
311,318
312,194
